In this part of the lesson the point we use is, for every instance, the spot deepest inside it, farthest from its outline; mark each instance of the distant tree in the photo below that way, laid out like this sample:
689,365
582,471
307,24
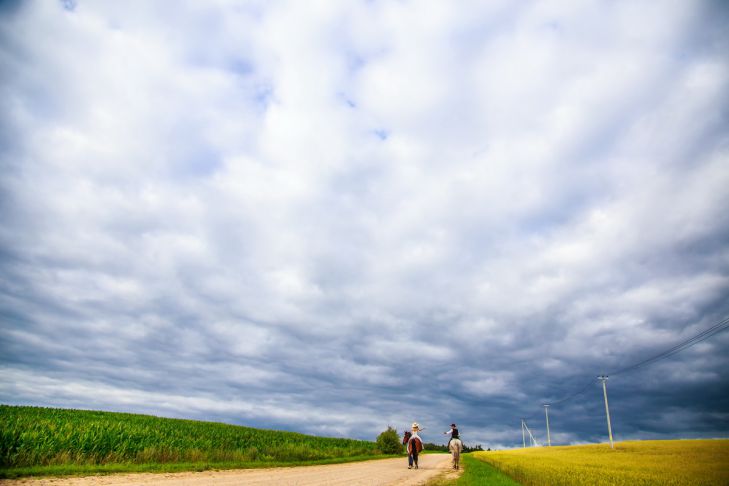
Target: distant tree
388,442
444,448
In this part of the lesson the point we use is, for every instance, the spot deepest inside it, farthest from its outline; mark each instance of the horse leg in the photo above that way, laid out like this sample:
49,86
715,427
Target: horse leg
456,458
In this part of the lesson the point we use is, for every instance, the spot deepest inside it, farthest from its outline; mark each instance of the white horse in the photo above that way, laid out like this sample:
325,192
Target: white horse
456,446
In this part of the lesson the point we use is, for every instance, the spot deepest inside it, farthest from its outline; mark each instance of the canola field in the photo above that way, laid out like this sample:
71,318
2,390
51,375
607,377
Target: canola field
32,436
635,463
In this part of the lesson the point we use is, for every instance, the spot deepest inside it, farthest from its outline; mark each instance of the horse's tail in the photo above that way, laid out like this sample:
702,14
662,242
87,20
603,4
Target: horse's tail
415,445
456,445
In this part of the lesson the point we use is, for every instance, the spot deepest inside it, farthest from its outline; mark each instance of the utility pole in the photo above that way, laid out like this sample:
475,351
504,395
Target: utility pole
546,413
532,441
523,437
604,378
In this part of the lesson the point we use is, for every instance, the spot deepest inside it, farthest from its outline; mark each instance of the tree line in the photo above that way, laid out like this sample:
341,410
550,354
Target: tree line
429,446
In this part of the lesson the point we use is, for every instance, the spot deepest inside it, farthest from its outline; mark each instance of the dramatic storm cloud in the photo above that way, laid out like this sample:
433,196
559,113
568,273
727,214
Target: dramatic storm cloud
329,217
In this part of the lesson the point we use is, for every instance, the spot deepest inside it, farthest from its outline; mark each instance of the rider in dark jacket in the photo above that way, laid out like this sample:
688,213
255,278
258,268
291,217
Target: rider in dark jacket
453,432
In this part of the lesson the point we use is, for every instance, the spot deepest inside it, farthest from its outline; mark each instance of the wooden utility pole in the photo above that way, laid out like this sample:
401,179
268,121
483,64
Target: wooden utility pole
546,413
523,437
604,378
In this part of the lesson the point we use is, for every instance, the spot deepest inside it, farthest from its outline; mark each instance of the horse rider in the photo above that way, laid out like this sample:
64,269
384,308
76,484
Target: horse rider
453,433
415,445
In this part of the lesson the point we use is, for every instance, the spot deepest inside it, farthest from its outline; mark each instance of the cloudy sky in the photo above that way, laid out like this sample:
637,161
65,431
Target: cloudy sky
329,217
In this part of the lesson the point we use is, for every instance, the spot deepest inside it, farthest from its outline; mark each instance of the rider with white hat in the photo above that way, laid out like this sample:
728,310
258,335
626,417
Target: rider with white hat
415,445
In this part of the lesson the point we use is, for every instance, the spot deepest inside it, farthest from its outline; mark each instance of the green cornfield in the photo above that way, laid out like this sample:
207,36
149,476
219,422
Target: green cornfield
33,436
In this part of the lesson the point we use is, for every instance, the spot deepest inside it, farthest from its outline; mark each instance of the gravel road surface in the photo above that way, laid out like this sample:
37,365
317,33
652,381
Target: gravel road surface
379,472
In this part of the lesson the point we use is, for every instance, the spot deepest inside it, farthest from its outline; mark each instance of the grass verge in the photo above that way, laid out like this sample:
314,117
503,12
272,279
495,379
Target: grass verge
476,472
94,469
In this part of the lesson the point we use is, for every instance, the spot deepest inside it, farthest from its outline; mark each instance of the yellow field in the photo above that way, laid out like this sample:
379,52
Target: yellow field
664,462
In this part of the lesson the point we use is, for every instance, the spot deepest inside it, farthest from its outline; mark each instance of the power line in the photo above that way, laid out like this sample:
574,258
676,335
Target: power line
532,417
576,394
702,336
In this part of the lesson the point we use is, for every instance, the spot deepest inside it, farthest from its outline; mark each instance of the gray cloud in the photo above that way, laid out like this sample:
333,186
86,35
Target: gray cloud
202,218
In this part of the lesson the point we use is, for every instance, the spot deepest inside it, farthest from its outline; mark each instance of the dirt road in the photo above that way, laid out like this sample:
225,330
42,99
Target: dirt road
379,472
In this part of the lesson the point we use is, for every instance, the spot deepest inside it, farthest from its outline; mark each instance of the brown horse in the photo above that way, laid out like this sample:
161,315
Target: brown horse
456,446
415,447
